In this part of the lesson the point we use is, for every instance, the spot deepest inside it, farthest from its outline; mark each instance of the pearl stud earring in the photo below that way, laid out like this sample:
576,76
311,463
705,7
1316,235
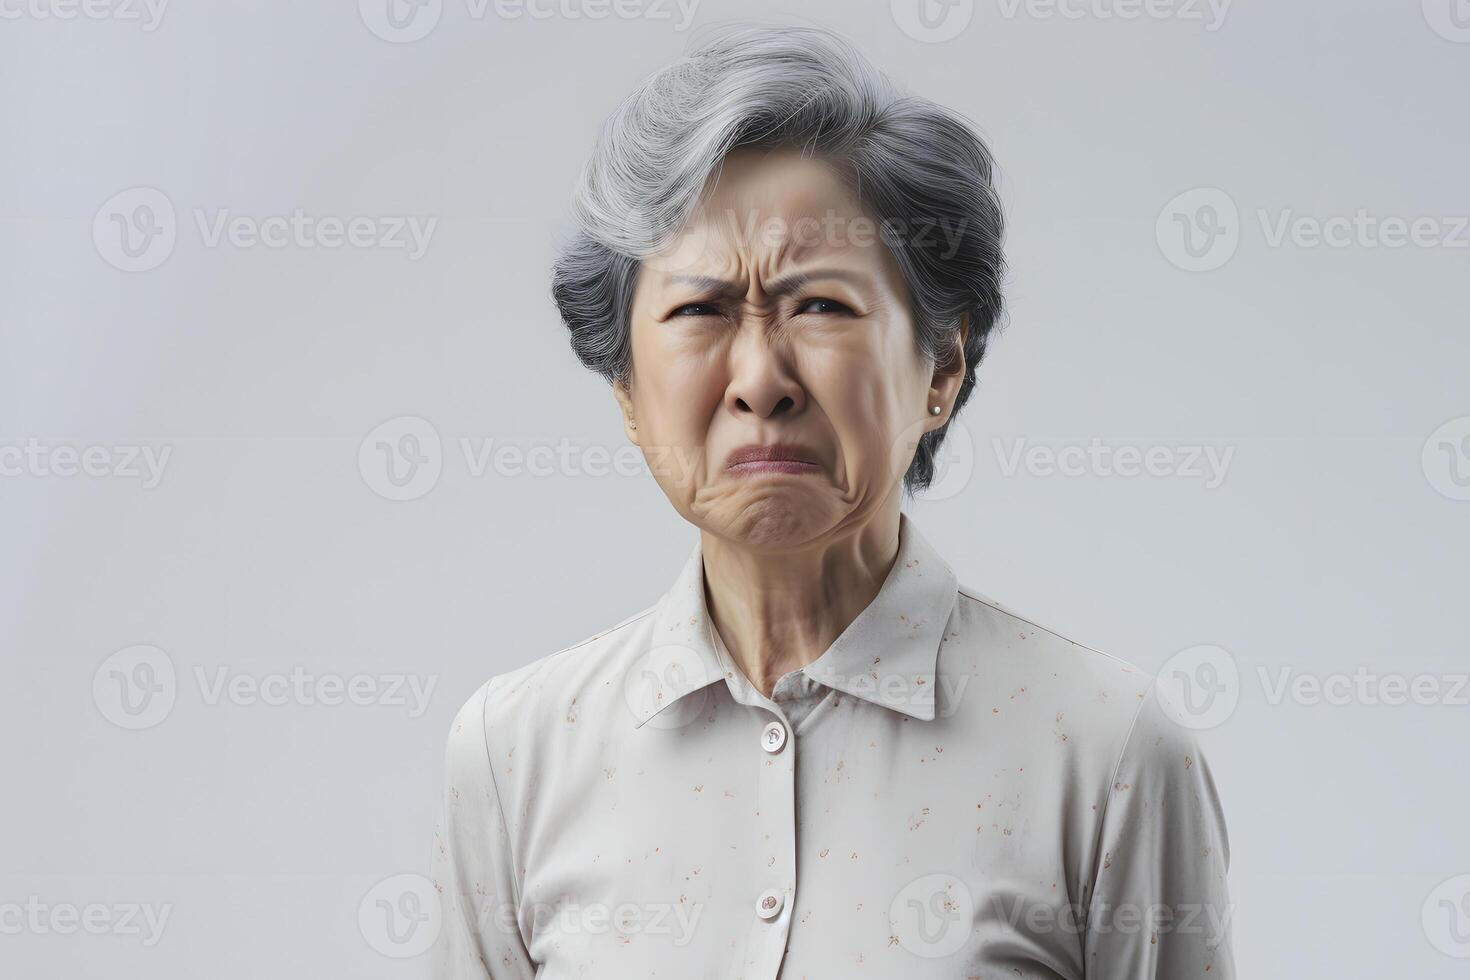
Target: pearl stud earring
936,410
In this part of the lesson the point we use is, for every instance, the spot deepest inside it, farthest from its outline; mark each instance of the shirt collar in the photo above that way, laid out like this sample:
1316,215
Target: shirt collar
887,655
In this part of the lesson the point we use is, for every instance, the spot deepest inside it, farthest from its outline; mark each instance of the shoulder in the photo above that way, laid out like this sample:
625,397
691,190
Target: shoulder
552,685
1030,680
1060,664
1099,716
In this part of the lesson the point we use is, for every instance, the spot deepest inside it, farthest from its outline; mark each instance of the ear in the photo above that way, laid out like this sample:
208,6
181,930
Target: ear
949,375
624,394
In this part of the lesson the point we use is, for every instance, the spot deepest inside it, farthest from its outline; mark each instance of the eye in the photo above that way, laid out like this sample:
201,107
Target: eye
697,309
819,305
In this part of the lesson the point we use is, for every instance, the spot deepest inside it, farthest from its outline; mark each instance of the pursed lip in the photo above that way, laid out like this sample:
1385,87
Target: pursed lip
778,457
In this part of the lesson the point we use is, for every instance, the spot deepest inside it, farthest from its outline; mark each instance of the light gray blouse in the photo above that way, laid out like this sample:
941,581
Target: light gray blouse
949,791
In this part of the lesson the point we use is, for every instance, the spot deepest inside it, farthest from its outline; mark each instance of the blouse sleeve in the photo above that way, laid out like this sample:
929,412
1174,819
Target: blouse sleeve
1159,906
473,869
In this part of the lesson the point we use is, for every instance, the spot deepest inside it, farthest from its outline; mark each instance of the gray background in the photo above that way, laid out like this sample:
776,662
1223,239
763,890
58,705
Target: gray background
1335,541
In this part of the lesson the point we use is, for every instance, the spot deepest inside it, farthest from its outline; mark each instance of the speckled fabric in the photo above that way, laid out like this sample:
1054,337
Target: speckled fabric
949,791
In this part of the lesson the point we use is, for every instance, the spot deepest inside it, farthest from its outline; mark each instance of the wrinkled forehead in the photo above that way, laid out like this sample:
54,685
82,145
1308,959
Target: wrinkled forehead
774,210
777,183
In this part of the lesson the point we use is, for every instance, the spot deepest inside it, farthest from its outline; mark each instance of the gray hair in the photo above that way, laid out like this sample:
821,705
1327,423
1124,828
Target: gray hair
921,170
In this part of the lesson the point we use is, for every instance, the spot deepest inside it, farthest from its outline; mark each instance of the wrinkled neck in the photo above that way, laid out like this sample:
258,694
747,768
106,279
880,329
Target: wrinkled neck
779,611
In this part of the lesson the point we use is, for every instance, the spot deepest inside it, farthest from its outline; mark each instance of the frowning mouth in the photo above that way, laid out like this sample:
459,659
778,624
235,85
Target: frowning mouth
778,457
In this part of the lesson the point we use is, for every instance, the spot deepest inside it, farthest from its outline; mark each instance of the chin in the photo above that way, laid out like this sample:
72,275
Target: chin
774,521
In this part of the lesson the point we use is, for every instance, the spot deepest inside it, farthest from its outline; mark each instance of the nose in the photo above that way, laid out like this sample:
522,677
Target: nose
762,383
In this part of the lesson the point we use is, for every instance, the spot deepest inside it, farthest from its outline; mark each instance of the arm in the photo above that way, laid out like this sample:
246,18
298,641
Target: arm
1159,907
472,865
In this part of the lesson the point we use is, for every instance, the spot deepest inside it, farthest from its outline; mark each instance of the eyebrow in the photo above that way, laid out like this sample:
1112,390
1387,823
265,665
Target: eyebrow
779,286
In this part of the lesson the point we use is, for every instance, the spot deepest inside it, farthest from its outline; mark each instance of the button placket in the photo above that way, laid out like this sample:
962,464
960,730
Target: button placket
771,925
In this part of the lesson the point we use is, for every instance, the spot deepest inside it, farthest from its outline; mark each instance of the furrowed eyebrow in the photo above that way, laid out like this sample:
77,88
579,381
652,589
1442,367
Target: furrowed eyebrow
780,286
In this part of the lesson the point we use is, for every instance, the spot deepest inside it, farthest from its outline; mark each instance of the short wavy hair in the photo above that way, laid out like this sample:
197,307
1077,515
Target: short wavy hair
914,165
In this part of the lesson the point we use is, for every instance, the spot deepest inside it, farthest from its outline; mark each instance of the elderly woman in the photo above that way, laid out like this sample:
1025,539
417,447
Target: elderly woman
817,755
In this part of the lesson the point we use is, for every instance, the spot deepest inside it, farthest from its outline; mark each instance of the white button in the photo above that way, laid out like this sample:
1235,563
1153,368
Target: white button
773,737
768,906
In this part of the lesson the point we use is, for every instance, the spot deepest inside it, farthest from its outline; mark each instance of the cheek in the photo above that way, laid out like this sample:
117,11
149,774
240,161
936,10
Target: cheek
675,392
872,395
863,404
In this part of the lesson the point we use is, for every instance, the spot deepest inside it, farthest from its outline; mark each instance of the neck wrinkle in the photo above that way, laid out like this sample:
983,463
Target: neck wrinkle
780,612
